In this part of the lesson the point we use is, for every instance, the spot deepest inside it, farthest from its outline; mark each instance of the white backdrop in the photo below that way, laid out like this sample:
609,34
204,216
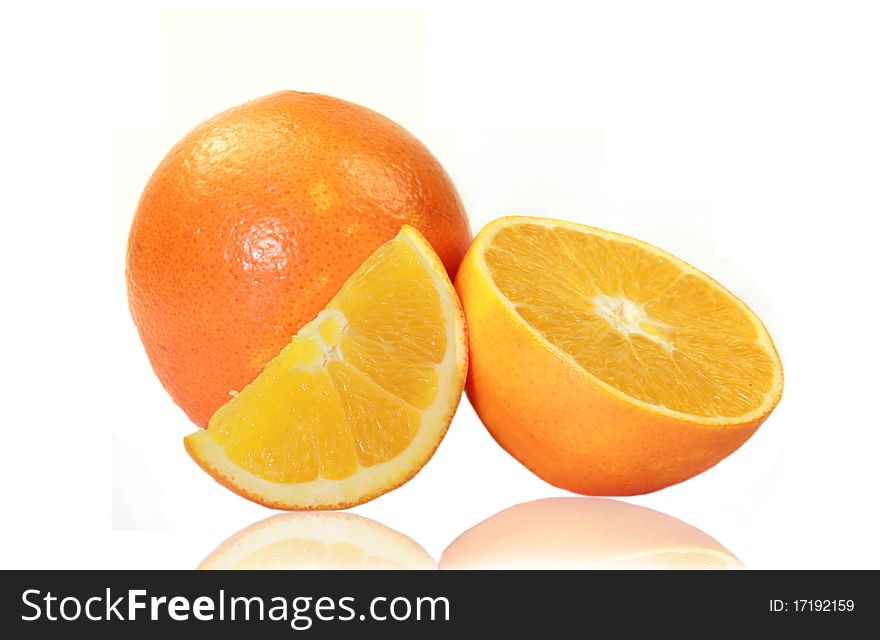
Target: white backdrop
742,137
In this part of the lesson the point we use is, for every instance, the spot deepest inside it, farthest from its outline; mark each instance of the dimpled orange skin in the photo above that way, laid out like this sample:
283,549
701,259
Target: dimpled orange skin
254,220
548,414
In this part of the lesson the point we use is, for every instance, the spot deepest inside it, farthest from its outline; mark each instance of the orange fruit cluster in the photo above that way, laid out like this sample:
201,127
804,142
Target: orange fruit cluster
297,254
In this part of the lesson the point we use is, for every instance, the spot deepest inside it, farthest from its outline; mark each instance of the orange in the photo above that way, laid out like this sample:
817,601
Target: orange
359,399
605,365
254,220
585,533
318,541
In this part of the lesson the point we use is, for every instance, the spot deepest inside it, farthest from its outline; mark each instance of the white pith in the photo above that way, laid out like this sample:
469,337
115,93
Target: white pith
629,318
328,349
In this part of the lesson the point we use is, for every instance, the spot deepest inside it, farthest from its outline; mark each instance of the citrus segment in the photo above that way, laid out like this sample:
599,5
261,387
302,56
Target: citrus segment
606,365
358,400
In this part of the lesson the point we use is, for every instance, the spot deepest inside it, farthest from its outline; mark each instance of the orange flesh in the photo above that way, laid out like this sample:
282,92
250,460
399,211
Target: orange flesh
635,319
348,390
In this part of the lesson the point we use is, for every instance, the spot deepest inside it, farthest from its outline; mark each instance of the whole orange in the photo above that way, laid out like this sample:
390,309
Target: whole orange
254,220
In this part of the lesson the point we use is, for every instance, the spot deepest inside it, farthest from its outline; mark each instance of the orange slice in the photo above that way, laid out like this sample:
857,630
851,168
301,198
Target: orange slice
605,365
318,541
358,401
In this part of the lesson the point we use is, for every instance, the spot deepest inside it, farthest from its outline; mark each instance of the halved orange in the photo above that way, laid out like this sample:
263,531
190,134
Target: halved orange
318,541
605,365
358,401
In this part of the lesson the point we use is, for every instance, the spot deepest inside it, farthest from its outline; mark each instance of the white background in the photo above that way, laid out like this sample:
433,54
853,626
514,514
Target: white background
744,137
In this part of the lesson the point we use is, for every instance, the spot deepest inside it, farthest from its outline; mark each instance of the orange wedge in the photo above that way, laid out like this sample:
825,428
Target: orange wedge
358,401
605,365
318,541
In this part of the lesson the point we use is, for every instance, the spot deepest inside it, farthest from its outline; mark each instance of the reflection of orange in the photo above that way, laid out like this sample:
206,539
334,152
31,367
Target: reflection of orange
255,219
318,541
585,533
